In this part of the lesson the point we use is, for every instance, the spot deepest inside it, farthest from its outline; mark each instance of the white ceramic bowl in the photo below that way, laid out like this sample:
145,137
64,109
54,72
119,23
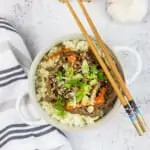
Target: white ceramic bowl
43,115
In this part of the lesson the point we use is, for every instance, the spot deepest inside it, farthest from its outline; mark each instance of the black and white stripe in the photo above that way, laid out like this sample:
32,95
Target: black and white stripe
22,131
11,75
6,25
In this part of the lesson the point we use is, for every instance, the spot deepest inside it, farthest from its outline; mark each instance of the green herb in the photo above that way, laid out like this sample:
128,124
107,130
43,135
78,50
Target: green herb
84,89
59,75
91,76
72,83
101,76
93,82
67,85
93,69
61,100
85,67
79,96
59,106
69,72
61,113
77,77
95,73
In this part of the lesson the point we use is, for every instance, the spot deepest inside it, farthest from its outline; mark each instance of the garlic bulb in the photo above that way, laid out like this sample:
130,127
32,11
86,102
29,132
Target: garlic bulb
127,10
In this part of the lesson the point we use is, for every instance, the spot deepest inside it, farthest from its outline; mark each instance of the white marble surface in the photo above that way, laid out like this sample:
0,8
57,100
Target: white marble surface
42,21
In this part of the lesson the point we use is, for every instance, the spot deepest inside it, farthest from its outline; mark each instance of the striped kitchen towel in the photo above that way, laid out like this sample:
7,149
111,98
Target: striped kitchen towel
15,135
12,75
14,63
14,60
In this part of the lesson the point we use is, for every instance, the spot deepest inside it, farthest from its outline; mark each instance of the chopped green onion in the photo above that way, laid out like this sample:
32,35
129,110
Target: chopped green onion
95,73
67,85
93,69
84,89
93,82
79,96
59,76
61,113
81,84
91,76
72,83
62,100
101,76
85,67
77,76
59,106
69,72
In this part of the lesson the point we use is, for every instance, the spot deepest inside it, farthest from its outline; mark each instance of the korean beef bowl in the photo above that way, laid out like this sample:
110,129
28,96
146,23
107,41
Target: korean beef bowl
70,86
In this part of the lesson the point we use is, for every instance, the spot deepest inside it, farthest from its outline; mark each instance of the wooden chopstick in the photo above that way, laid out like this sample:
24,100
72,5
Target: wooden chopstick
114,68
106,70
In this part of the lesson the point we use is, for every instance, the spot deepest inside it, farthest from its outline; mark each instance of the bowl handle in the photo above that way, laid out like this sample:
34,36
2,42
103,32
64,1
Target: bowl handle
138,61
27,111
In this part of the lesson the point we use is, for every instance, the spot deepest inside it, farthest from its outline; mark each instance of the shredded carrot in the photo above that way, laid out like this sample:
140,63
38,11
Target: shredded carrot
72,108
69,108
59,53
100,98
71,59
67,50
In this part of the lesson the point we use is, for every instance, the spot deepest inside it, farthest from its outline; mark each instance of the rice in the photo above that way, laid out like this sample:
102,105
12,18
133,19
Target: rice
69,118
77,45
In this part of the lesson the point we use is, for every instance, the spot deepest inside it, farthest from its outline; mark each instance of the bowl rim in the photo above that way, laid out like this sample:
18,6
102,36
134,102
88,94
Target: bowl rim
43,114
